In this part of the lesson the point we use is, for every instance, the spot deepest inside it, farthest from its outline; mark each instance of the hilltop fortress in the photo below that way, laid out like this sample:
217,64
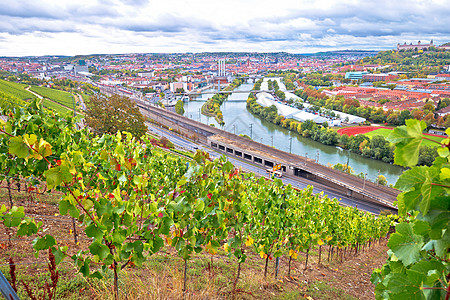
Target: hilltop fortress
420,46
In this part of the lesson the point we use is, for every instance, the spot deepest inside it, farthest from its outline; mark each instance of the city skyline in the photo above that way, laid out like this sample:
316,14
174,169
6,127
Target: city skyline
139,26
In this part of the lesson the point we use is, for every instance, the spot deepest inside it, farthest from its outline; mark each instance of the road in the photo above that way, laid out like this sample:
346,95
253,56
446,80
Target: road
297,182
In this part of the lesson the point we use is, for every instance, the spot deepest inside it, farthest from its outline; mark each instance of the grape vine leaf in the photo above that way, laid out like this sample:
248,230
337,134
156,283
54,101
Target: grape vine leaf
43,243
405,244
400,287
18,147
408,140
99,249
56,175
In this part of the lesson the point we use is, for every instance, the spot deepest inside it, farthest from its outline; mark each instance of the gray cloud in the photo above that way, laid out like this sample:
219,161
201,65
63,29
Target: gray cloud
361,24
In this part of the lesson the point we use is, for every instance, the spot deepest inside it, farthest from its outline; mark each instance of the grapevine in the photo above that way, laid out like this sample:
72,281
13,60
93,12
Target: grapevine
133,199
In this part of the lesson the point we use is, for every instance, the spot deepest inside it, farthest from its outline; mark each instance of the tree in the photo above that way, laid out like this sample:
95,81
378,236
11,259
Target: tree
179,107
111,114
381,180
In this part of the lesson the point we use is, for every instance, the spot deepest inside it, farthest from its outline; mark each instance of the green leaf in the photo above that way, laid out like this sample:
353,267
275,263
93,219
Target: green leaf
64,206
199,205
119,150
405,244
96,248
430,270
43,243
400,287
445,174
18,147
93,231
96,274
409,201
410,178
424,204
407,140
59,255
27,227
421,227
443,152
407,154
56,175
14,217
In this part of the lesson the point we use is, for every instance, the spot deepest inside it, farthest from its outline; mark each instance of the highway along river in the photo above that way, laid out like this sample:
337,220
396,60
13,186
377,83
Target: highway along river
239,120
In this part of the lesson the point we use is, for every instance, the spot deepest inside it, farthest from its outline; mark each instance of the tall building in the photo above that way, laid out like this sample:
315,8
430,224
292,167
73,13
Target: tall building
221,68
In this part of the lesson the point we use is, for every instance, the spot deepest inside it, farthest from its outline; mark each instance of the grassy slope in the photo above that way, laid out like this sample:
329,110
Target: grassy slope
61,97
16,90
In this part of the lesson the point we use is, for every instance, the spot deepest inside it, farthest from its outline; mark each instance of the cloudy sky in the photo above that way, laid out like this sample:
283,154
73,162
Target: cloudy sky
69,27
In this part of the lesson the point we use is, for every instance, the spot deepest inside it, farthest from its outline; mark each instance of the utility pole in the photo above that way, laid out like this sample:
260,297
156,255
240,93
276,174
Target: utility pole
251,131
199,115
318,155
234,128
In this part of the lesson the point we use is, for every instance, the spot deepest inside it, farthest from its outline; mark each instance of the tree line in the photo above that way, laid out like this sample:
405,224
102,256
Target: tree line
377,147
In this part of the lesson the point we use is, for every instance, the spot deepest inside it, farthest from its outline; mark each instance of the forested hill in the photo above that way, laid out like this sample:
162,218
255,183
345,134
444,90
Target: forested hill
409,60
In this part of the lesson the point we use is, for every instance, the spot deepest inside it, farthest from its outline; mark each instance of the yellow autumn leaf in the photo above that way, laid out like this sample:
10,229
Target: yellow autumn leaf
262,254
329,238
70,231
210,248
225,247
293,254
320,242
169,241
249,241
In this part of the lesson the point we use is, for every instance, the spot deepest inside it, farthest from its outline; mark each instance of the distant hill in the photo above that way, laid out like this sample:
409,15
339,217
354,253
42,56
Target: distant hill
349,52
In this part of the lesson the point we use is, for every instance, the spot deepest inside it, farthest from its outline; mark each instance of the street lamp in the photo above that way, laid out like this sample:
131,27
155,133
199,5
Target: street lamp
234,128
271,137
251,131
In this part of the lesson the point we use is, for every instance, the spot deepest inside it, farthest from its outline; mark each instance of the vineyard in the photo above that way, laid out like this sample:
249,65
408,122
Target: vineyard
15,90
61,97
9,102
55,106
131,201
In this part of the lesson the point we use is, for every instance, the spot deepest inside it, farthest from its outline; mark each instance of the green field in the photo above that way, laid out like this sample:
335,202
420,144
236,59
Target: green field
16,90
54,106
385,132
61,97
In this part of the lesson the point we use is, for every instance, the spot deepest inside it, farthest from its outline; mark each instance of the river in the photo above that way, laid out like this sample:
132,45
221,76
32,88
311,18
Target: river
239,120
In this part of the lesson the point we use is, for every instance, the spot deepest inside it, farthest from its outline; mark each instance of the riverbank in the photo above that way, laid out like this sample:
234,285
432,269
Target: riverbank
211,108
375,147
239,120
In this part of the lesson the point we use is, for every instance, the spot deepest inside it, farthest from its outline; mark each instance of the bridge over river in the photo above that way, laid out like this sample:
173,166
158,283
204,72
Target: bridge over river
265,156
